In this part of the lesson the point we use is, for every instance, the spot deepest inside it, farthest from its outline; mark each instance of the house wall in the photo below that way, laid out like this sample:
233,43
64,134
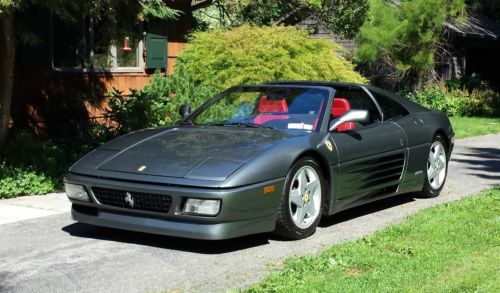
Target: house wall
58,103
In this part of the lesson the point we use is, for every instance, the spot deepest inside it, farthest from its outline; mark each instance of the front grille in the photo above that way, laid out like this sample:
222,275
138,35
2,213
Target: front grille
150,202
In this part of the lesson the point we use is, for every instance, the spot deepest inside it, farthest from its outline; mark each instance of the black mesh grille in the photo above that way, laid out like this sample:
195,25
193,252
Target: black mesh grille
151,202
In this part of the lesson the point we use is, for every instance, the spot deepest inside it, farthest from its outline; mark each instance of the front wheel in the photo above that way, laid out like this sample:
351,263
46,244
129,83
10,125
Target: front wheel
437,168
301,204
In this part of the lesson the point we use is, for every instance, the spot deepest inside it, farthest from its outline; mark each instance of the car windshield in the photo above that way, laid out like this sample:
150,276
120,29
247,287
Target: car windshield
269,107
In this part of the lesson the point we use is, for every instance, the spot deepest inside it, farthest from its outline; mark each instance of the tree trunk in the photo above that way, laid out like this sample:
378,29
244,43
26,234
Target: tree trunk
7,56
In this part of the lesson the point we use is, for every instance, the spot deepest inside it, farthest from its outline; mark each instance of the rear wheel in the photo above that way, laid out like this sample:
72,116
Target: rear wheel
301,204
437,168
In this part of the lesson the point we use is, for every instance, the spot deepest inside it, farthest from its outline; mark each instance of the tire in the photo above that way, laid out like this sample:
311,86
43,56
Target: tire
301,205
436,168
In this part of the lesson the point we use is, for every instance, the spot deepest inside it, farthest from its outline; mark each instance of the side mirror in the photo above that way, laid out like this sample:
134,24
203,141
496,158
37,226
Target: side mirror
185,110
350,116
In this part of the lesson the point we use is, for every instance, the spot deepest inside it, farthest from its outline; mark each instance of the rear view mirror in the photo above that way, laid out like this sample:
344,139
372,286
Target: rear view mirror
350,116
185,110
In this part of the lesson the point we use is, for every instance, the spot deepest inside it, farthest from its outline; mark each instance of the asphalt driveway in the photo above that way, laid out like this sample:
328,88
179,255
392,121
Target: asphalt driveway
55,254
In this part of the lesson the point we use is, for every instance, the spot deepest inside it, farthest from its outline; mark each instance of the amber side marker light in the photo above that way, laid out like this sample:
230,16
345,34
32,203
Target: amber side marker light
269,189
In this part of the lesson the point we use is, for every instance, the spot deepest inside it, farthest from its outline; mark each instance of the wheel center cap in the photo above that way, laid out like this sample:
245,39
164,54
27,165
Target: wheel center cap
306,197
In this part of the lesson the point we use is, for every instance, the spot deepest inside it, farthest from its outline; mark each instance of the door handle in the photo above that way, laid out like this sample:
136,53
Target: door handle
418,122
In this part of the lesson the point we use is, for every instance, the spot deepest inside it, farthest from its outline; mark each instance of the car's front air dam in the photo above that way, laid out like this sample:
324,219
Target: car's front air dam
192,230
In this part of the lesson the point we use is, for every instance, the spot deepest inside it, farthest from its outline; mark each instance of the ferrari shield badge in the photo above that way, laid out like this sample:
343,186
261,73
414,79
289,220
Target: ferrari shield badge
141,168
329,145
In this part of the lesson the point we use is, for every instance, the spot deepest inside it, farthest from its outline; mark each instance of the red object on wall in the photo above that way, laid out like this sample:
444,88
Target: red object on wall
126,44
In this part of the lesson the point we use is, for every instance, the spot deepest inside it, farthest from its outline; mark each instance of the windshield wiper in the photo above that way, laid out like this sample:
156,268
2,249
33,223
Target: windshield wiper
215,124
241,124
252,125
186,122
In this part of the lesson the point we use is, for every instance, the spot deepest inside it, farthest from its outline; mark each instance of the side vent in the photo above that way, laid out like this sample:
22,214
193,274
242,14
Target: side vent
380,176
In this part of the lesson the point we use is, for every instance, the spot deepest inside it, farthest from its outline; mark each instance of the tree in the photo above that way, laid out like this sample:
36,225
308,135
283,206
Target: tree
67,10
344,17
404,35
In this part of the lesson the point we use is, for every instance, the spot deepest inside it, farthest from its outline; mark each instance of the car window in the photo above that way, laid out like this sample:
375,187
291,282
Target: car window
359,100
295,108
392,110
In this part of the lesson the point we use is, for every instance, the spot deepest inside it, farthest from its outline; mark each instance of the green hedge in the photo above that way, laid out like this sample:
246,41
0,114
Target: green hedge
31,165
458,102
17,181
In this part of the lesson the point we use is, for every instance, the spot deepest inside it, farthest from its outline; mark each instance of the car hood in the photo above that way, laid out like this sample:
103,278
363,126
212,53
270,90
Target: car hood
202,153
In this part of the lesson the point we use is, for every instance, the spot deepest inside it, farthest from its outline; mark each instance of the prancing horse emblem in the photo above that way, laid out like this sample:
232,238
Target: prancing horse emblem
129,199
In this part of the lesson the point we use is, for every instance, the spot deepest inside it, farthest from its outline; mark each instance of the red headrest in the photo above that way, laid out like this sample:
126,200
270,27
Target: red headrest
266,105
340,106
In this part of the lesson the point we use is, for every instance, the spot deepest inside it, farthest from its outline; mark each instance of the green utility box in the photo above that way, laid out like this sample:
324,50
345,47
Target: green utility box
156,54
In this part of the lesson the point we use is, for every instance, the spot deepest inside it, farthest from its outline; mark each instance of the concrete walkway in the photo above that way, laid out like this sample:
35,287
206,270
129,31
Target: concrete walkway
30,207
54,254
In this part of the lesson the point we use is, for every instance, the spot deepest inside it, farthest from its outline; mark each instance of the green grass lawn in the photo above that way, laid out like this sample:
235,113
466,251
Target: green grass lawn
473,126
454,247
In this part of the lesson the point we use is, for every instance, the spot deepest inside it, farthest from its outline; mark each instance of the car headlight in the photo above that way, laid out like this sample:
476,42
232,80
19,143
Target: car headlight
75,191
205,207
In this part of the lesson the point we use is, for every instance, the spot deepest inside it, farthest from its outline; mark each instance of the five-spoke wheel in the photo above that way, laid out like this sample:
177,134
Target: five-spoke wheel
301,205
437,167
305,197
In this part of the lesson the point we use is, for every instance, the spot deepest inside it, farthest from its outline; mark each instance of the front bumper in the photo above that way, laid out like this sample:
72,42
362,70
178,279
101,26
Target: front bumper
244,210
194,230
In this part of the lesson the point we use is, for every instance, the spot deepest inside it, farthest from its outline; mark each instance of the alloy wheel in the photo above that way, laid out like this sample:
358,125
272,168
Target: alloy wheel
436,165
305,197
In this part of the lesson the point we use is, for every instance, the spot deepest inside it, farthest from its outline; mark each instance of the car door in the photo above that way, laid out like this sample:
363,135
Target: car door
371,155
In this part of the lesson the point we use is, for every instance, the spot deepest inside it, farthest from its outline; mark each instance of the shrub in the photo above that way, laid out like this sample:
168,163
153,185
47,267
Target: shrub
16,181
468,82
31,165
155,105
458,102
223,58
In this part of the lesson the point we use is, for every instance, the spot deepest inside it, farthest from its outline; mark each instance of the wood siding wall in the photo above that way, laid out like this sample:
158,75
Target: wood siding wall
58,103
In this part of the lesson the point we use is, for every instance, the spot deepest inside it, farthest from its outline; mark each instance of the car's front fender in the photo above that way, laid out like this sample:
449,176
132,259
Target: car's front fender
275,162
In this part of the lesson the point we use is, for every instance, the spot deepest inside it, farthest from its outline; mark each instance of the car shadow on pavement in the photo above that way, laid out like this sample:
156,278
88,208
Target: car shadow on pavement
167,242
366,209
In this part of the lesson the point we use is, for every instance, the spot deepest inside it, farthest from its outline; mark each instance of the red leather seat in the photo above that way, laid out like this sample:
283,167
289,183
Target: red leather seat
272,106
340,107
